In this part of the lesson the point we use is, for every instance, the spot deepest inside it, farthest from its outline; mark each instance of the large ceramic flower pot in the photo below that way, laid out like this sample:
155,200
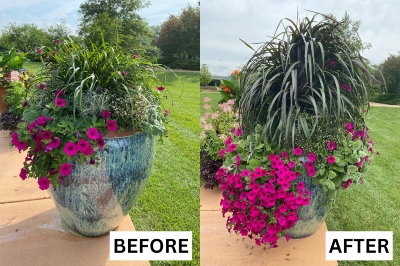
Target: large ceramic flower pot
3,105
93,200
313,215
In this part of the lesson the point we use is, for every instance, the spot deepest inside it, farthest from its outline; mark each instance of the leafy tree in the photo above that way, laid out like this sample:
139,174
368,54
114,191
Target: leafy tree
205,75
190,18
170,39
348,30
59,31
116,21
25,37
180,34
390,70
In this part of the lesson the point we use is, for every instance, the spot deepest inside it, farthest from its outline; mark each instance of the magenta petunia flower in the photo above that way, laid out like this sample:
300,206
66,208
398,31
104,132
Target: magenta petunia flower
349,127
106,114
331,159
287,237
111,125
65,169
134,56
245,172
100,142
92,161
123,73
88,151
232,147
46,134
331,145
83,145
291,164
298,151
23,173
44,183
221,153
70,149
309,165
55,142
300,185
41,121
161,88
239,132
285,155
166,113
25,104
42,86
311,157
311,172
347,183
93,133
60,102
360,133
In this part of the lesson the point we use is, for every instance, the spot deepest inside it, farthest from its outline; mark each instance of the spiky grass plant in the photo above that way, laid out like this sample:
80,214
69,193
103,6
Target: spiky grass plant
302,78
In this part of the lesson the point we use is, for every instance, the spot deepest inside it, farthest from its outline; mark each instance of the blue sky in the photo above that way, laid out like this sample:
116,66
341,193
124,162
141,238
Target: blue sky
47,12
254,20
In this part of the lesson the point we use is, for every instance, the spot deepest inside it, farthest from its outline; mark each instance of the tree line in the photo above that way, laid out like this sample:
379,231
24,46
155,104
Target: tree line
118,23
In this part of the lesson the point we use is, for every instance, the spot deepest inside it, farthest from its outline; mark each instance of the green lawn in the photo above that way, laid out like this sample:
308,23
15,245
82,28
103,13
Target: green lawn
171,200
33,67
374,206
215,97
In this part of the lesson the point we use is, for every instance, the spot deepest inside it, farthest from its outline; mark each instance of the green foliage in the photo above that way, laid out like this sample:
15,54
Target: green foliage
303,75
127,86
232,89
205,75
117,23
13,60
390,70
15,96
374,203
348,30
25,37
179,35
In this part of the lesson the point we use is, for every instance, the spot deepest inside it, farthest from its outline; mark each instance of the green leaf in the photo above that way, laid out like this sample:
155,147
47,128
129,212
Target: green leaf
315,182
352,169
330,185
254,163
339,169
331,174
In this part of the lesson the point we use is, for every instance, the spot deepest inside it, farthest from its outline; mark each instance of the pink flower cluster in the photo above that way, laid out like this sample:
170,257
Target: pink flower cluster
248,197
44,141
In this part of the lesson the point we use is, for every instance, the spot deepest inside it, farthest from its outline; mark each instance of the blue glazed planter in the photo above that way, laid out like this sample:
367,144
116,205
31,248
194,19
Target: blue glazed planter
94,200
313,215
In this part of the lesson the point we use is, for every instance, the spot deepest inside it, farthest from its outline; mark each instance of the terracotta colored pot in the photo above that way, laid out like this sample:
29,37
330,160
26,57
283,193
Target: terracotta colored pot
3,105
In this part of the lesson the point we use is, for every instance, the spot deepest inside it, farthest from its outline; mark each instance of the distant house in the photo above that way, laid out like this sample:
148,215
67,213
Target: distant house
216,81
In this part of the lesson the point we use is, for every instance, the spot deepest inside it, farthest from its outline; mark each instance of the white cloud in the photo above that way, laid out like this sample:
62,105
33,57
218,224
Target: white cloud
224,22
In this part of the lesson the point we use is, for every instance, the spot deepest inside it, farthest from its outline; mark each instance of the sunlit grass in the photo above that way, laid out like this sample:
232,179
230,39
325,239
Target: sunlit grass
374,206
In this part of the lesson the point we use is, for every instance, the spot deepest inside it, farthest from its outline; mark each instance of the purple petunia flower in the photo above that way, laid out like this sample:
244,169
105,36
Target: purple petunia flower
44,183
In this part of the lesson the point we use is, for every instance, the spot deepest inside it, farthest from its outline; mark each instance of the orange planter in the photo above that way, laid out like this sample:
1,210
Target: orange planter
3,105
